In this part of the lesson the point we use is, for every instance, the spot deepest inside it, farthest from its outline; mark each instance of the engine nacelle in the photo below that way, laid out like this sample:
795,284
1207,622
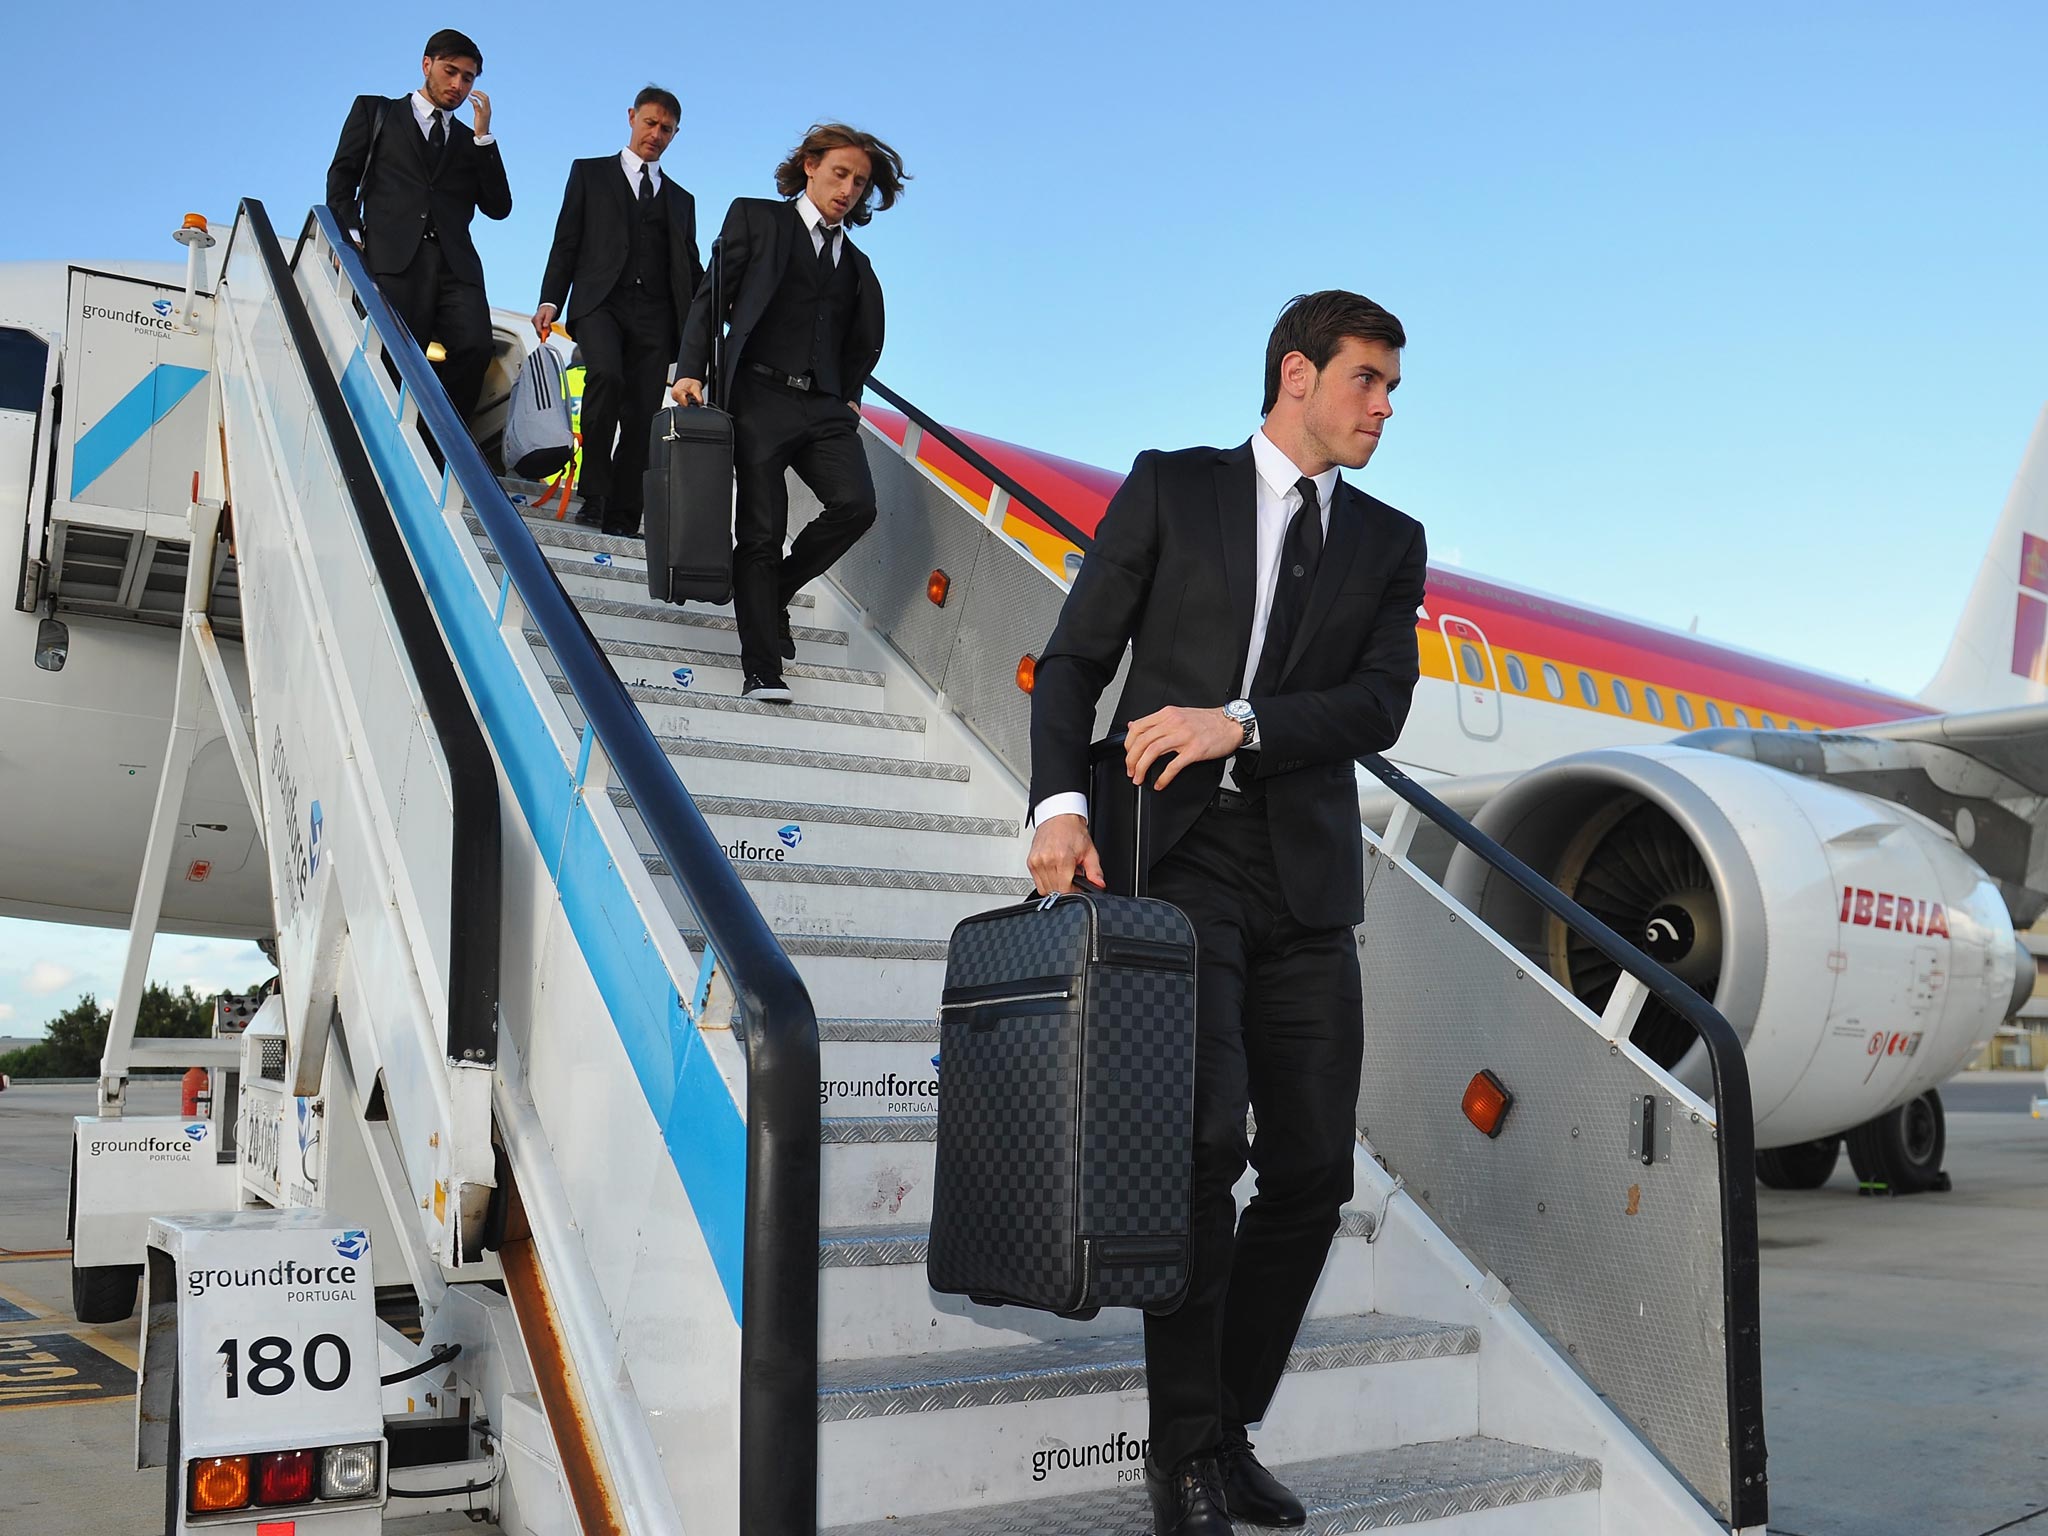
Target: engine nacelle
1858,953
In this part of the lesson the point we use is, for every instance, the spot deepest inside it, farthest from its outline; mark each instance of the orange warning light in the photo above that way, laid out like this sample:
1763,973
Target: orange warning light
1027,672
1487,1102
196,221
937,586
219,1482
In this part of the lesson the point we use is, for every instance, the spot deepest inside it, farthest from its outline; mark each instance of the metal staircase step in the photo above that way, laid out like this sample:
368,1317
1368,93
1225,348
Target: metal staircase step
673,712
864,1031
851,835
1469,1486
697,656
610,616
1355,1383
821,901
746,769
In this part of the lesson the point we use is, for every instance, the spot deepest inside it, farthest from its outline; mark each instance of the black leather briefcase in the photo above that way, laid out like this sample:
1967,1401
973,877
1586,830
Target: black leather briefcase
1066,1106
688,505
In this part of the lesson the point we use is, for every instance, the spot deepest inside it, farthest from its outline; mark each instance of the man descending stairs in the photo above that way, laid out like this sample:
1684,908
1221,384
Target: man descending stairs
865,824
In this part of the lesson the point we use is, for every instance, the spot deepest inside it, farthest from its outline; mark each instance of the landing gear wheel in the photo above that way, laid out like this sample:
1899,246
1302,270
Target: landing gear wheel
1805,1165
1900,1152
104,1293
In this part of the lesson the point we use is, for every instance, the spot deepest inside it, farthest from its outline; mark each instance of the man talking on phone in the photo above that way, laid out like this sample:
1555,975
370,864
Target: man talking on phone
405,182
1269,607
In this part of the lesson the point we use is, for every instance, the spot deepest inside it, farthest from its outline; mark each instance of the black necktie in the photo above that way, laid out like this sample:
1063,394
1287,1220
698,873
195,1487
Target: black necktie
437,136
646,186
1299,552
830,232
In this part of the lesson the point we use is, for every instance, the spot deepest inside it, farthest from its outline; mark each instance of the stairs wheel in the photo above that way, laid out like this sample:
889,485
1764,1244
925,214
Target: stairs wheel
1804,1165
1900,1152
104,1293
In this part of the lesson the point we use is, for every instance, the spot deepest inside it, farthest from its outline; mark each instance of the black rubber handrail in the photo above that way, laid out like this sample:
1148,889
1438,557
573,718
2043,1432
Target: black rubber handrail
1735,1143
779,1280
475,864
1010,486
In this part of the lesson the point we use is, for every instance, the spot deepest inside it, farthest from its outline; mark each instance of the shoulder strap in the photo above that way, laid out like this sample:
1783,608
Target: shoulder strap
370,159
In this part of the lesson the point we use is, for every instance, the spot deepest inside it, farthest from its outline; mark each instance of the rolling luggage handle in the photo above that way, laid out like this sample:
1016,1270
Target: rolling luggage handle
716,275
1102,753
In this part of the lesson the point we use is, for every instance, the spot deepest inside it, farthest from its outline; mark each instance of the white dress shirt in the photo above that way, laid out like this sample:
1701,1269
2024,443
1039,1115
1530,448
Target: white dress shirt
630,163
1279,499
814,221
423,112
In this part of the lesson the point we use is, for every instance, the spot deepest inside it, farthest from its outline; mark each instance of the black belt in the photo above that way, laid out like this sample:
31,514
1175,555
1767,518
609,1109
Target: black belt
792,380
1230,800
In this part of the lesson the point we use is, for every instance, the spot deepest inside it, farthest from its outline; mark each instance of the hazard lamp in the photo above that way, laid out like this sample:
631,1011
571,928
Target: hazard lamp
1487,1102
268,1479
936,586
1027,672
195,221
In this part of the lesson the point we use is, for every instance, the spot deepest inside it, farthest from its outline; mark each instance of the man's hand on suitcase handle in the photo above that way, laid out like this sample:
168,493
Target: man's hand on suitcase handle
1192,735
1060,849
688,392
544,320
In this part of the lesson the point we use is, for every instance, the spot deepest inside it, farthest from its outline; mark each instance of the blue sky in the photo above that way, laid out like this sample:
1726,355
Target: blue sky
1727,313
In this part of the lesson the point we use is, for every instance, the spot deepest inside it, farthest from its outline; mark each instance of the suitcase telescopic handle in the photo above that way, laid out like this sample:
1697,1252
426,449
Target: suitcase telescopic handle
1104,751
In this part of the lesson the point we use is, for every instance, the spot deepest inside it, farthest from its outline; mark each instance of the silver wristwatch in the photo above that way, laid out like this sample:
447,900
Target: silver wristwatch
1240,710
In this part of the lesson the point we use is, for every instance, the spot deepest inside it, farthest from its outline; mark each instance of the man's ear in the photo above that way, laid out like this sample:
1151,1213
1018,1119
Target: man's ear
1297,374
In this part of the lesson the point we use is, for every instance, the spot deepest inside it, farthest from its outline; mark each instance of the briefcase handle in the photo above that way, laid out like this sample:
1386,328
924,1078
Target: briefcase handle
1103,752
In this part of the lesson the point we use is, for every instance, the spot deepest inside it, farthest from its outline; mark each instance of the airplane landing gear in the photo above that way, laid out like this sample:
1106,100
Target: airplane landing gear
1804,1165
1900,1152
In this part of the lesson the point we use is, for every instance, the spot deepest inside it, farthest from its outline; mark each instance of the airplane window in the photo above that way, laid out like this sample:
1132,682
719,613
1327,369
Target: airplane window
1553,681
1742,718
1518,675
1684,709
1589,690
1655,701
1468,658
1623,699
1769,723
22,356
1714,714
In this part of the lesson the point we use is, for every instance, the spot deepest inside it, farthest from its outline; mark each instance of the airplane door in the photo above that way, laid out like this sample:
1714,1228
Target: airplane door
1474,675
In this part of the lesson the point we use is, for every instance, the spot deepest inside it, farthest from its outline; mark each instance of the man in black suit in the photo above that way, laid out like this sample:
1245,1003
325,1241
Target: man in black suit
804,317
624,265
406,180
1270,608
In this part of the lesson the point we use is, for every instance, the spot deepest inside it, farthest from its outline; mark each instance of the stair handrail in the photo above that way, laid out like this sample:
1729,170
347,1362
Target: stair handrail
475,861
1734,1143
778,1386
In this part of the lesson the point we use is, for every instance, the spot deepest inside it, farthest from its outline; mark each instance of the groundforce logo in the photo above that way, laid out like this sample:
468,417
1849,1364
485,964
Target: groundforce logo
285,1274
155,1146
142,318
889,1086
1124,1452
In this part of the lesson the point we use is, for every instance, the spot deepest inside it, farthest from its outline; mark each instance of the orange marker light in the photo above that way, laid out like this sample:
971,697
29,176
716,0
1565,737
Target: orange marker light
195,221
1487,1102
1027,672
937,586
219,1482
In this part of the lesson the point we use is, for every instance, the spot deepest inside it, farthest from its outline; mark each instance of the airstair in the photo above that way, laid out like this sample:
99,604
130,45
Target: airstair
617,995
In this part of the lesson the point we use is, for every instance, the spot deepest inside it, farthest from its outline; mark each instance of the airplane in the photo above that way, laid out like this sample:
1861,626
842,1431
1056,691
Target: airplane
1841,870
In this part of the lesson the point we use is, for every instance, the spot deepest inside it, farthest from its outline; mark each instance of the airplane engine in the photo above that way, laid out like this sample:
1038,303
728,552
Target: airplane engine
1858,953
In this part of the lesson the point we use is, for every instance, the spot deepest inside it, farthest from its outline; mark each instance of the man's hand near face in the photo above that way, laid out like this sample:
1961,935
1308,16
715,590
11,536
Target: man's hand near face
480,106
1060,849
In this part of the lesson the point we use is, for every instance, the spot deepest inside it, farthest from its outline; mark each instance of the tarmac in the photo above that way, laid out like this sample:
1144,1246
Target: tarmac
1905,1341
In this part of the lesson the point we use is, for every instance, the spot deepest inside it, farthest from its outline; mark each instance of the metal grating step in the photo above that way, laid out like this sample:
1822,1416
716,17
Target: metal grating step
1375,1491
844,815
845,947
1065,1368
867,879
871,1247
685,655
868,1130
823,714
669,613
804,757
878,1031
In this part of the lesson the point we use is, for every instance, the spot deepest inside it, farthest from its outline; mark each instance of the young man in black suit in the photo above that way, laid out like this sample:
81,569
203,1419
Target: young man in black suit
804,312
406,180
624,265
1270,607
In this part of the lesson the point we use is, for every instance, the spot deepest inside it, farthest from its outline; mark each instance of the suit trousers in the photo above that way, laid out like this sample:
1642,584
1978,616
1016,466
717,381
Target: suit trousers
776,429
1279,1028
438,306
628,341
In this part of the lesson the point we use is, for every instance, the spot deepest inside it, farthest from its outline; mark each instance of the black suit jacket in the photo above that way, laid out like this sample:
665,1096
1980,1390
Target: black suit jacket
594,235
1171,573
405,190
753,250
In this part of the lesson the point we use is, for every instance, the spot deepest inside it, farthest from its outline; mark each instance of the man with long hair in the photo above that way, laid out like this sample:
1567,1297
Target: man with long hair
803,312
1269,607
406,180
624,265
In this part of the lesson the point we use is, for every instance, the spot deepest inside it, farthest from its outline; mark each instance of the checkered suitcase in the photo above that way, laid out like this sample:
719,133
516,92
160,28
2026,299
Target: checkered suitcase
1066,1106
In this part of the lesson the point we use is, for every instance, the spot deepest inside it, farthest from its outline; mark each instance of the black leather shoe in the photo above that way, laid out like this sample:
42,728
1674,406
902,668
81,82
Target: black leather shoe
622,524
1189,1500
788,639
591,512
765,690
1253,1494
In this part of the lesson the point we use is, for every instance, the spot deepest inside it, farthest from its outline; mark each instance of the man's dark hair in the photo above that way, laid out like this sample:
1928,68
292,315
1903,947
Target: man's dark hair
885,182
1316,325
666,100
451,44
